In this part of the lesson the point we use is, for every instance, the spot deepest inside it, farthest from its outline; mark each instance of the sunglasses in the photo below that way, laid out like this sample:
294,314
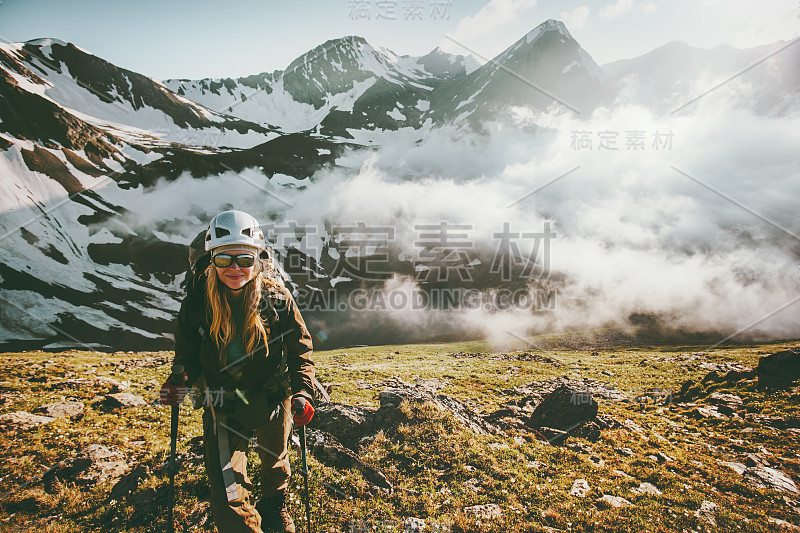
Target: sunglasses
226,260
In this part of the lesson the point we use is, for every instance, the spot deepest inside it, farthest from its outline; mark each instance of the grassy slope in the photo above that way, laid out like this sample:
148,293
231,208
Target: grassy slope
437,467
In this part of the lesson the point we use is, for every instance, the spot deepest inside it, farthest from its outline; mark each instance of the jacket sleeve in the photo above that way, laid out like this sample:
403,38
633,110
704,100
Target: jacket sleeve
187,341
299,347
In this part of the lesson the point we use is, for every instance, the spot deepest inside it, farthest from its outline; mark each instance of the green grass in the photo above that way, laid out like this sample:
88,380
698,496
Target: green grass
436,466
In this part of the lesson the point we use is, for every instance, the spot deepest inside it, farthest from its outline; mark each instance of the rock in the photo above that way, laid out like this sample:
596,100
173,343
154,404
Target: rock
20,420
707,412
414,525
96,464
486,512
615,501
66,408
727,404
739,468
565,409
580,488
707,513
760,477
634,427
783,523
779,370
330,452
348,424
125,400
627,452
662,458
462,413
127,484
596,460
755,459
647,488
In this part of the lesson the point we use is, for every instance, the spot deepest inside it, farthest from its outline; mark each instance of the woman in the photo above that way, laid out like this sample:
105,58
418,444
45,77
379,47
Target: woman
245,347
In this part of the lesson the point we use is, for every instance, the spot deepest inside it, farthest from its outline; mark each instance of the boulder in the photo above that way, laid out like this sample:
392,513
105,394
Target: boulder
327,450
647,488
707,513
125,400
348,424
96,464
580,488
564,409
779,370
615,501
761,477
127,484
66,408
727,404
20,420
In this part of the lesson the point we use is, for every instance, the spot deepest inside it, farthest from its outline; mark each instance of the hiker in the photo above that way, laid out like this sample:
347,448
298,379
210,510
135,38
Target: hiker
246,352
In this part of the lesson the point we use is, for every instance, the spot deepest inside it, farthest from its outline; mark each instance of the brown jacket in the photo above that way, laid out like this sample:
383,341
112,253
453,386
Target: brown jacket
199,354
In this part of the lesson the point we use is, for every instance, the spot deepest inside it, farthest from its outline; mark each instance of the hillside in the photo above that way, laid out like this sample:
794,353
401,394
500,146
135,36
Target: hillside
685,438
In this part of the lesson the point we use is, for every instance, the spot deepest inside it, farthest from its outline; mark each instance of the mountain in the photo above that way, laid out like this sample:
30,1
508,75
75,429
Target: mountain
106,175
675,73
82,142
343,84
546,67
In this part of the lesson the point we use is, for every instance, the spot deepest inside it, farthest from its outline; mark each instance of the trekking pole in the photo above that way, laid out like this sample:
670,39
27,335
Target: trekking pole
176,379
305,475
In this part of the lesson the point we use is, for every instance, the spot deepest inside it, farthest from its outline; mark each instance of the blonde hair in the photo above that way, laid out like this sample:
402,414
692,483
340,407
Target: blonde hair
222,327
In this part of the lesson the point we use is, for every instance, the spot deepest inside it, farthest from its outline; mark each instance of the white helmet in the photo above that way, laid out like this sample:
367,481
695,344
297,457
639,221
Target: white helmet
234,228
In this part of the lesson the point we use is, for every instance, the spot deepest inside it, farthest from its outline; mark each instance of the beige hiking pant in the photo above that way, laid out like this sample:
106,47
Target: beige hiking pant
231,504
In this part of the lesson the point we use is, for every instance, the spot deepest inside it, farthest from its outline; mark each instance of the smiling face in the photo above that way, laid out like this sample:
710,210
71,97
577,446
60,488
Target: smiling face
235,277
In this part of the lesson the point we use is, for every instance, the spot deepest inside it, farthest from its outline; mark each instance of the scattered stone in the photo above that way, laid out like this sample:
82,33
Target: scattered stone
20,420
783,523
647,488
485,512
627,452
739,468
414,525
125,400
580,488
596,460
708,412
579,447
633,426
760,477
66,408
615,501
707,513
779,370
472,485
538,358
620,473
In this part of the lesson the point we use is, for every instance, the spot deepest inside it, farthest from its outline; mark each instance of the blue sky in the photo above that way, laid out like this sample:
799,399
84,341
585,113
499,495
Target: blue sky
203,38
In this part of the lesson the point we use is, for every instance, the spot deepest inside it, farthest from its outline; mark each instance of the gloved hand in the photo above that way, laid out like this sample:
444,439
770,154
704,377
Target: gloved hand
302,410
172,393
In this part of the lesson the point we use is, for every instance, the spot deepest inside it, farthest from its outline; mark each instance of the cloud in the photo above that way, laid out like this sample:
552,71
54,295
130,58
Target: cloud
633,235
616,10
576,18
494,15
